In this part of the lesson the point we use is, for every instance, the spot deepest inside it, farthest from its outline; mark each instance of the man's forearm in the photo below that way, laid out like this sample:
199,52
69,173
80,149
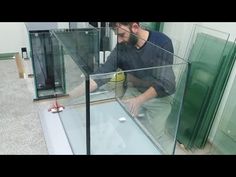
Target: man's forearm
80,90
137,82
147,95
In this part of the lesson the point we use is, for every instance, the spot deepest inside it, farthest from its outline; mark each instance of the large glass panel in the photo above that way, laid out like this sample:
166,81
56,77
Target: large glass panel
117,126
224,141
73,117
117,130
82,45
208,50
103,121
81,58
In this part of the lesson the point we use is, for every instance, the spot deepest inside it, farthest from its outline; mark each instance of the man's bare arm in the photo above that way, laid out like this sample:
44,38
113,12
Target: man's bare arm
80,90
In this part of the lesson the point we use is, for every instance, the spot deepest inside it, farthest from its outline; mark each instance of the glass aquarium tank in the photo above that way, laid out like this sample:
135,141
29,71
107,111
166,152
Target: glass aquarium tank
47,58
99,115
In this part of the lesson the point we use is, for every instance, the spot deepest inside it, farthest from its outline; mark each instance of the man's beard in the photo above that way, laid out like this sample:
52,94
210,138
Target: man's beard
131,42
132,39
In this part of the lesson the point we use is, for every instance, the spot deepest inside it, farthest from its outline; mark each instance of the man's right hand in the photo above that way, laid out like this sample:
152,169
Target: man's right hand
133,105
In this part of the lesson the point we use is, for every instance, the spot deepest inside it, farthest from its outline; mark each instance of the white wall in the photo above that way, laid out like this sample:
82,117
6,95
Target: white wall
80,24
223,26
63,25
180,33
13,37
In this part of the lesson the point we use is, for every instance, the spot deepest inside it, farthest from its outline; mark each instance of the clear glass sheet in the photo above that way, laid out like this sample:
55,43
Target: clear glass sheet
79,45
218,89
113,128
82,45
73,117
155,124
224,141
83,54
207,50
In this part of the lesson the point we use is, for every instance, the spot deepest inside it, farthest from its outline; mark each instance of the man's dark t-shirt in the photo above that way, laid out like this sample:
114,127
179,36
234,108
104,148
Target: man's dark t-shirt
153,55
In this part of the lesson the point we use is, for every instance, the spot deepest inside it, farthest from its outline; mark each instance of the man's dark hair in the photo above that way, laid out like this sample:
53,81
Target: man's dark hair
113,24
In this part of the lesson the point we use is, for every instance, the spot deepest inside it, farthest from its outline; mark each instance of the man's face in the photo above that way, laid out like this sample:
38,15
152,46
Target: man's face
125,35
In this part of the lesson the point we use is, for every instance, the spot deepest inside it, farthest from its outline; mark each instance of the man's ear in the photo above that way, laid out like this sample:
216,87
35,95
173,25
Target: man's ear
135,27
